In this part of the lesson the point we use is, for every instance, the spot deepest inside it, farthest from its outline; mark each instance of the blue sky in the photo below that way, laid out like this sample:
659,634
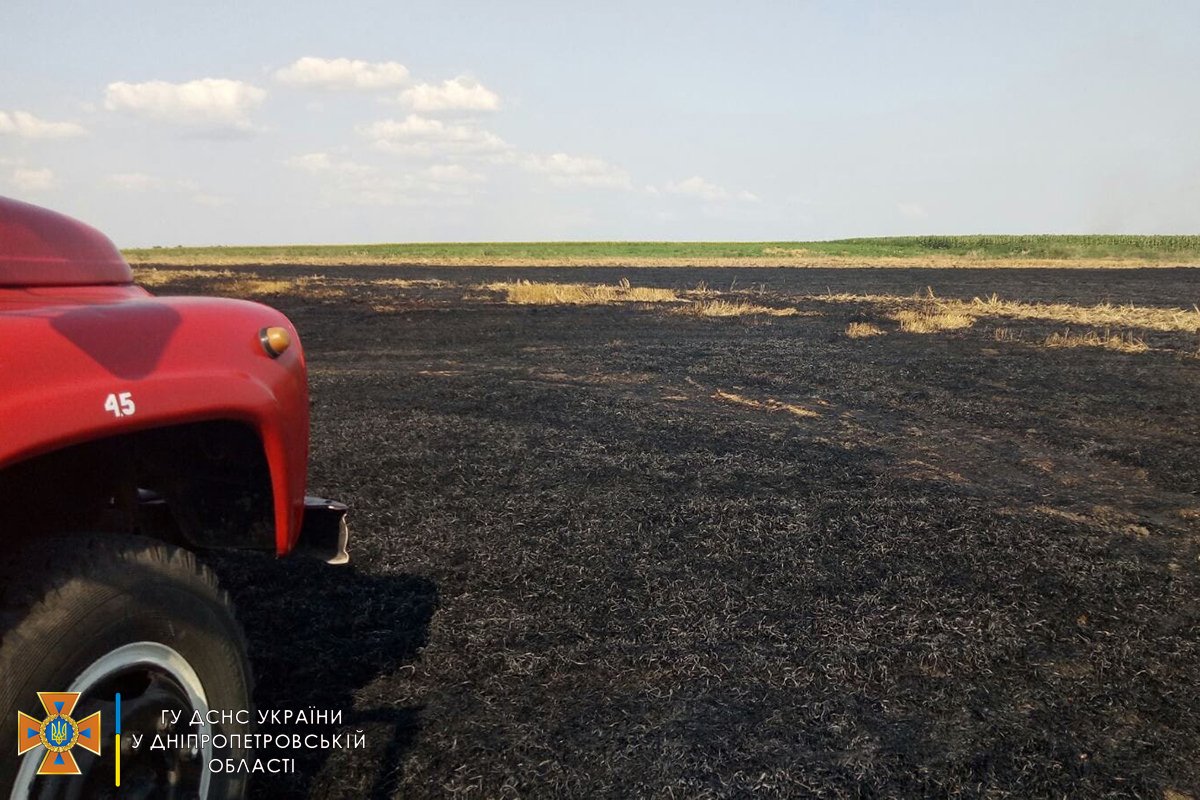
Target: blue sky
275,122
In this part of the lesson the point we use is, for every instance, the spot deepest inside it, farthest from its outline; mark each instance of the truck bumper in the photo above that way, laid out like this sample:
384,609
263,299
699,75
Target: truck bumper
324,533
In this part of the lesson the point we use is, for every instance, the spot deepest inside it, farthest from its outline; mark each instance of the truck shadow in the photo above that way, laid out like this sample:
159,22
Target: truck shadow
317,635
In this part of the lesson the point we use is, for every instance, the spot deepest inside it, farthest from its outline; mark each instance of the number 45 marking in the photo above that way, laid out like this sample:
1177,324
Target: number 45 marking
120,405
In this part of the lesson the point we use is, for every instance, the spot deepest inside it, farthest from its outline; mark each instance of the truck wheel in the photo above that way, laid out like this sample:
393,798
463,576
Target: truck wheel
104,614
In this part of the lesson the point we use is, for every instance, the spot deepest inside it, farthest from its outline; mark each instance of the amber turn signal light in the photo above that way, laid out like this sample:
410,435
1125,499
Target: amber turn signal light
275,341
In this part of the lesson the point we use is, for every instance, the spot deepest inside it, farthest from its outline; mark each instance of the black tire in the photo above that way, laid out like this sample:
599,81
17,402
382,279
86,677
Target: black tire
69,601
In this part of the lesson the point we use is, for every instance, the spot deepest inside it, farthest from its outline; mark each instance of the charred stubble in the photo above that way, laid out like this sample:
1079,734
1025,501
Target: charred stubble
617,551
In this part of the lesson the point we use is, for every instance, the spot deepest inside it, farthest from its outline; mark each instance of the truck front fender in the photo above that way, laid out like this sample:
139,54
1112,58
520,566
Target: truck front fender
80,364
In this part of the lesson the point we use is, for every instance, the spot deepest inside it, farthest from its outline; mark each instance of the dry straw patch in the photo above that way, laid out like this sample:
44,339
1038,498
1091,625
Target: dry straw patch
256,287
770,404
531,293
932,320
313,288
1006,335
736,308
916,314
1122,342
246,284
161,277
863,330
1174,794
1103,314
1107,314
415,283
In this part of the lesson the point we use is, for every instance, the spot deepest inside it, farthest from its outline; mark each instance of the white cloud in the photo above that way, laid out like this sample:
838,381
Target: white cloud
399,194
453,174
566,170
311,162
216,103
457,94
343,181
163,187
421,136
343,73
134,181
211,200
27,126
696,186
27,179
447,180
316,163
912,210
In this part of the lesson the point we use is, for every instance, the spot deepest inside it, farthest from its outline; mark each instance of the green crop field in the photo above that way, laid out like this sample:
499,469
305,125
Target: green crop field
889,251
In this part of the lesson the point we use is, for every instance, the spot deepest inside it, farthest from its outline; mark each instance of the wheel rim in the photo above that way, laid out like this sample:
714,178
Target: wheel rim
161,679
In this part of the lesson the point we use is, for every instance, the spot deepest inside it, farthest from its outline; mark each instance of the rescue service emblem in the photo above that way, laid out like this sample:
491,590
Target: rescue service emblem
58,733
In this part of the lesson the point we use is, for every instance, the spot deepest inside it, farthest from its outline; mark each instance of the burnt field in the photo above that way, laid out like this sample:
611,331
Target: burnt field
722,532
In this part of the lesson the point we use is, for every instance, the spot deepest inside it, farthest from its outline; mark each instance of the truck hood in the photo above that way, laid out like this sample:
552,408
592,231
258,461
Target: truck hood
39,247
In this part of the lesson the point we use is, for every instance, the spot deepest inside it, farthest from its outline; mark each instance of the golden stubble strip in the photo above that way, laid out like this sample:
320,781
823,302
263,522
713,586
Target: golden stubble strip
769,404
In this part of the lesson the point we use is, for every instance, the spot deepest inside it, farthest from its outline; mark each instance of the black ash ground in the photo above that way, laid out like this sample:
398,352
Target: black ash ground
596,555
